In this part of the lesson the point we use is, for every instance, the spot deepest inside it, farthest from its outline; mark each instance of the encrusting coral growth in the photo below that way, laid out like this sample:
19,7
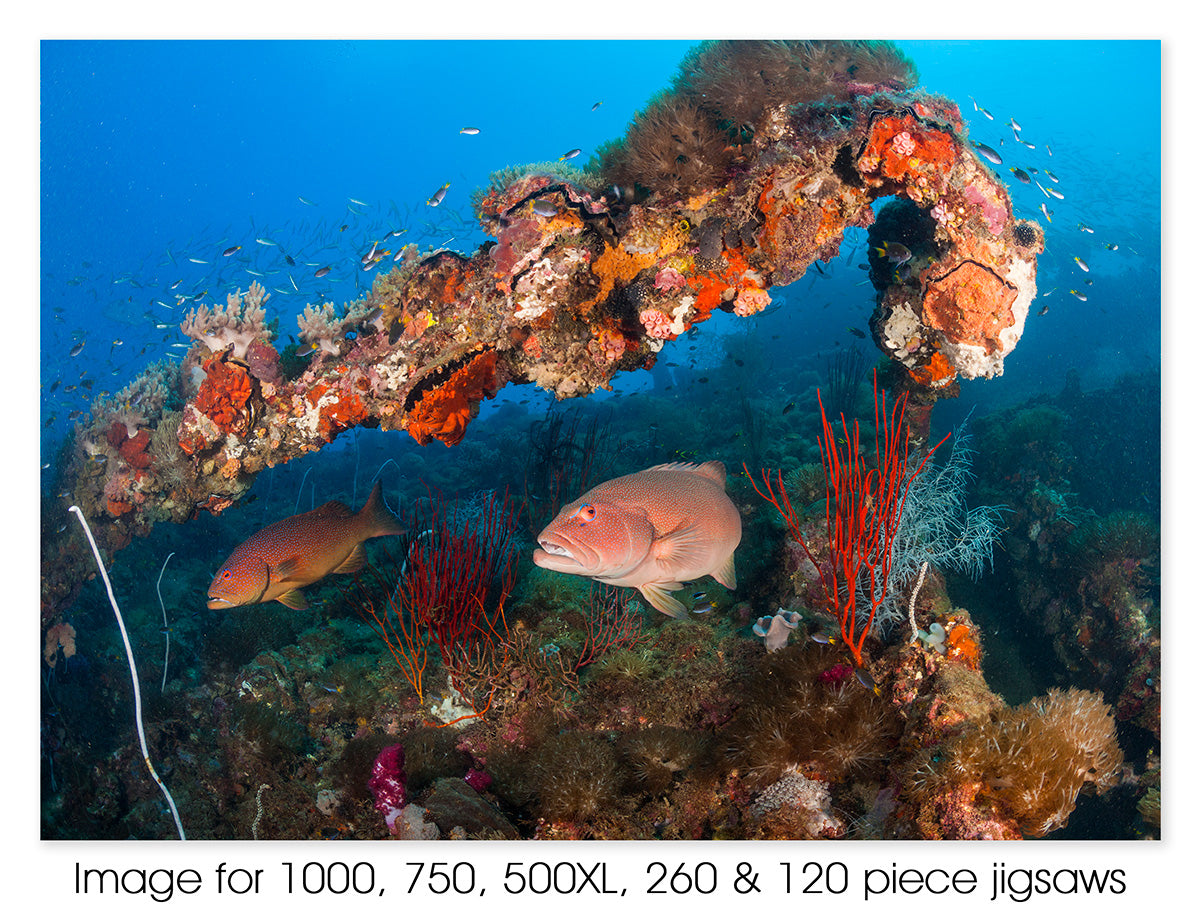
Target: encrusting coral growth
739,177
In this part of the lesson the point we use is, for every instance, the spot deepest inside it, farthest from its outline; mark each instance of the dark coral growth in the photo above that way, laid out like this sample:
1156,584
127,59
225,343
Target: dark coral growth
577,777
743,80
1026,765
674,148
655,757
802,713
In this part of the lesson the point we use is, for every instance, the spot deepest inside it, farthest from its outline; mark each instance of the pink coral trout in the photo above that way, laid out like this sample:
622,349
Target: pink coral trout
653,530
275,563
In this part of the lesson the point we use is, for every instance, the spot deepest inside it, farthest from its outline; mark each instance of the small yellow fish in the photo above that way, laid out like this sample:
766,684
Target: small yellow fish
1082,264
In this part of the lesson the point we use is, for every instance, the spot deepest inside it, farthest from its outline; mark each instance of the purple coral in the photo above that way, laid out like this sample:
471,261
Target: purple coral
387,783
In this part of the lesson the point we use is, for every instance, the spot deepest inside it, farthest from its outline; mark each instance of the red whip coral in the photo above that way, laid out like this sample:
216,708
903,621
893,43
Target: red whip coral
223,395
444,412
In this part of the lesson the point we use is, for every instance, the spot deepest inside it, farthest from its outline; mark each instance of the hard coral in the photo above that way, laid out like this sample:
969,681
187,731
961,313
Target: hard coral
444,412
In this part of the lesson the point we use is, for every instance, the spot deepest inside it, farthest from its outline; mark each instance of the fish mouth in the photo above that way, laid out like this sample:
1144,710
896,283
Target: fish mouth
552,555
215,604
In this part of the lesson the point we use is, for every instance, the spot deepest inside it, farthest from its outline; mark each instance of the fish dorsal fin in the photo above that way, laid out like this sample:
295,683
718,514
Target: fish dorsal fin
656,594
331,509
294,599
681,547
354,562
713,470
725,574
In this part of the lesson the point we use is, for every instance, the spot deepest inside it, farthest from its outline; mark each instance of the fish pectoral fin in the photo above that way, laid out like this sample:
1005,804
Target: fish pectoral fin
725,574
354,562
684,547
294,599
656,594
286,568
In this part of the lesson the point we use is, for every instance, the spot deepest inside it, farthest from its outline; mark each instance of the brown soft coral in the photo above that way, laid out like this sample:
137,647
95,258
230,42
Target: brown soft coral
1026,765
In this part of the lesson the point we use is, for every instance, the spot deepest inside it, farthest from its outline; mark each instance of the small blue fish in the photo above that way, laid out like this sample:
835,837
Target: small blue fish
823,639
544,207
439,195
703,608
569,154
231,250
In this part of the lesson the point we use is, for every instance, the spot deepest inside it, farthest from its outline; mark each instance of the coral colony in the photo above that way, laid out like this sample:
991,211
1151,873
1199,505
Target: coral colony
445,686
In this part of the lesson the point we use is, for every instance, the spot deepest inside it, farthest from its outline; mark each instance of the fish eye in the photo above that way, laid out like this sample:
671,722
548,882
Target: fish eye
586,513
226,575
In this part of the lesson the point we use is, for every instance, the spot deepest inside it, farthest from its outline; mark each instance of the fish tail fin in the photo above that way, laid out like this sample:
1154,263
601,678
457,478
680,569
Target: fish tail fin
377,517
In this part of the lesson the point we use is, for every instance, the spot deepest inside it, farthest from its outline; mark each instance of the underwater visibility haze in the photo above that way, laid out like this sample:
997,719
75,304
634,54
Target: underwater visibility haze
742,440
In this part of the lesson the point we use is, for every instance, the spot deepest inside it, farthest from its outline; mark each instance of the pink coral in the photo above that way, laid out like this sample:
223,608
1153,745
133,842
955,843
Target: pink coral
940,212
903,144
656,323
992,210
613,344
750,301
669,279
388,783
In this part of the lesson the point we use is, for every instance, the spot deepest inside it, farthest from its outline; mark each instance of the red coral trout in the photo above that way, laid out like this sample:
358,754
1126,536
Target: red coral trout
653,530
276,563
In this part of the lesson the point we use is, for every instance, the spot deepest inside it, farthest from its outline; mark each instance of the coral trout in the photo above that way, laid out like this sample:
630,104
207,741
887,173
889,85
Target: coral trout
653,530
275,563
